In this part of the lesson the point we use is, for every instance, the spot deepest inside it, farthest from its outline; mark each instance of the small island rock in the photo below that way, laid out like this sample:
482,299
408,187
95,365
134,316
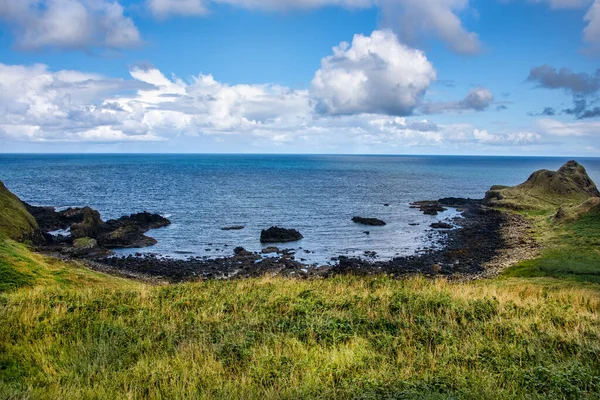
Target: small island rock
368,221
276,234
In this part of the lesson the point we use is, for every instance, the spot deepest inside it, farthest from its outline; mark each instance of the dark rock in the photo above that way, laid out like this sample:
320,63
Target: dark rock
240,251
91,225
143,221
276,234
428,207
441,225
367,232
269,250
233,228
368,221
128,231
560,214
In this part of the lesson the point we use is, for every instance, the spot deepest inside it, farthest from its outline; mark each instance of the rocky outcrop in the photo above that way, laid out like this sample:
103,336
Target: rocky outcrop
546,189
91,225
368,221
276,234
143,221
128,231
125,232
428,207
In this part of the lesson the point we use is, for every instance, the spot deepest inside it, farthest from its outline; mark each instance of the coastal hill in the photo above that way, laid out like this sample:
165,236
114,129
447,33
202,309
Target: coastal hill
545,189
15,221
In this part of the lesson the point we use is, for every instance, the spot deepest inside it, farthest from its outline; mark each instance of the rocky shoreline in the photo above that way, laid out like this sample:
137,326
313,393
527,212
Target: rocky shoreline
483,242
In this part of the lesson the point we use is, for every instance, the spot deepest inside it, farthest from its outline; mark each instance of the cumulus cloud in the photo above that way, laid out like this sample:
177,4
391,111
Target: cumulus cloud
69,24
478,99
373,74
39,105
415,18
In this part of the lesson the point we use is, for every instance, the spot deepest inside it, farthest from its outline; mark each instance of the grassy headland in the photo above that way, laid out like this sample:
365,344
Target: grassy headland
68,332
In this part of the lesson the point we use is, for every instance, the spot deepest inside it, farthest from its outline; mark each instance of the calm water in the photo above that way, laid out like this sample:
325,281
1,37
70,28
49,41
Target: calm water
317,195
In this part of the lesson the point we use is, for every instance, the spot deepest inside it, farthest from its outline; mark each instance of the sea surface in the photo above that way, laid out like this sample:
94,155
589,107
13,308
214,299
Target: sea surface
318,195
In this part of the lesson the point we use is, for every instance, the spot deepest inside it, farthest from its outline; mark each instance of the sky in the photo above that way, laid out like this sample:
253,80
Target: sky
464,77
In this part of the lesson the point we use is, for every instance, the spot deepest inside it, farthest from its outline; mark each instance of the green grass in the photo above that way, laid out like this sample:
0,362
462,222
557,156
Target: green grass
572,250
70,333
15,221
346,337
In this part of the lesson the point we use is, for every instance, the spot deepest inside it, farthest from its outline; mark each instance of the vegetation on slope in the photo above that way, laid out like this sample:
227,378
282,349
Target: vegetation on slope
346,337
15,220
571,245
545,189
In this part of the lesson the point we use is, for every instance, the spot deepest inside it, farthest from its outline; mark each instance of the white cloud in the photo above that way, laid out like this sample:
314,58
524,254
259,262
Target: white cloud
69,24
166,8
591,33
557,128
374,74
513,138
38,105
414,18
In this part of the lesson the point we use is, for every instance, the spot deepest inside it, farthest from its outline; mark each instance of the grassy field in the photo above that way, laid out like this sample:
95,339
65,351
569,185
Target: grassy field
571,249
70,333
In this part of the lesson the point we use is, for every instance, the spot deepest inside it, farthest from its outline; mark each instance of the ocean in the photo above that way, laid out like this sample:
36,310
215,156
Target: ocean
315,194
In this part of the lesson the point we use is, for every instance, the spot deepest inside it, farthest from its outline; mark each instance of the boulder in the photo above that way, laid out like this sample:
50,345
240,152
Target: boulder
85,243
91,225
270,250
368,221
143,221
276,234
241,252
428,207
441,225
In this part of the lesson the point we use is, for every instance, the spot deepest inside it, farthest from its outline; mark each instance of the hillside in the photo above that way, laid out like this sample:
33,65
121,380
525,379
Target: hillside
15,221
545,189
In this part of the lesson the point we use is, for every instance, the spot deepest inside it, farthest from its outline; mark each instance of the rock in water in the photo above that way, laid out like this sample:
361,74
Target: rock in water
90,227
368,221
143,221
441,225
233,228
546,189
276,234
128,231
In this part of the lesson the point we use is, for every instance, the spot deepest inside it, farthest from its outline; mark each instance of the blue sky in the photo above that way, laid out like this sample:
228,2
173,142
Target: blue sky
301,76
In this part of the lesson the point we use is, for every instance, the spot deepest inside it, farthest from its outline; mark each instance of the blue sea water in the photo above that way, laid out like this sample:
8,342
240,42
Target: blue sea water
318,195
